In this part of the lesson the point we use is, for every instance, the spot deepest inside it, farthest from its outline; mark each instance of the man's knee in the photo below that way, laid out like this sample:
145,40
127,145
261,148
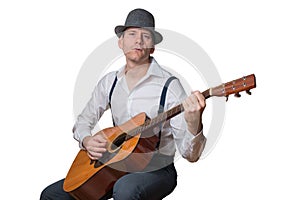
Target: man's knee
55,191
46,194
126,191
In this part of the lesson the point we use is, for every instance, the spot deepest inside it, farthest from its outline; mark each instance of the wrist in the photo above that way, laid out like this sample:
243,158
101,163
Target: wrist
195,129
84,141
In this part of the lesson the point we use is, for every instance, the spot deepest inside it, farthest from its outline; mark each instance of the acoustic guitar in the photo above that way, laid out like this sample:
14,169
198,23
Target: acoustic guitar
128,151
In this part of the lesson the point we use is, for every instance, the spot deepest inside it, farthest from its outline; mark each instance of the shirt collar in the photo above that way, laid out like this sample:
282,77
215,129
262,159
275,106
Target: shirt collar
154,69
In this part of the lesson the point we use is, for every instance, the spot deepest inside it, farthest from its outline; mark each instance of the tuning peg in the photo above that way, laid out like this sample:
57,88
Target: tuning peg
237,94
248,92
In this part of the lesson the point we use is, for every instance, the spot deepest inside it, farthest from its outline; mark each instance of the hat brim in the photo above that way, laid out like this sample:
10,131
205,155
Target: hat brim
157,36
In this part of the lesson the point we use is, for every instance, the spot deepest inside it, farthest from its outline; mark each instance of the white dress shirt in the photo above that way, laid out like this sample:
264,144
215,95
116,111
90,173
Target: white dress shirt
144,97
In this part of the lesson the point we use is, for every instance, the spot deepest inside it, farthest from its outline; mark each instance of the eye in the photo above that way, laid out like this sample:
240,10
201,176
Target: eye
147,36
131,33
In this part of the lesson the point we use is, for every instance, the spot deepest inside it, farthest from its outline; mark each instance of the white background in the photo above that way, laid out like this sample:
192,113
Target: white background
43,45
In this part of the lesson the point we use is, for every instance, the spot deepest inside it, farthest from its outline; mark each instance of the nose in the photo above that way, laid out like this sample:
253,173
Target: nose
139,38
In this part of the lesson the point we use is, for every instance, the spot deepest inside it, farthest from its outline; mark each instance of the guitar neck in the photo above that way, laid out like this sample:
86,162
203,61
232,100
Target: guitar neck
162,117
177,109
224,90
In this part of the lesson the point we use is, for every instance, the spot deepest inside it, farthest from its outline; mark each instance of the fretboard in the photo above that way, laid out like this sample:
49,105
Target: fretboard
160,118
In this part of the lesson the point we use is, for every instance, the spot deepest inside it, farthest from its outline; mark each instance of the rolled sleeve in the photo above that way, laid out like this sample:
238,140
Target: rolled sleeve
79,135
93,110
189,145
195,146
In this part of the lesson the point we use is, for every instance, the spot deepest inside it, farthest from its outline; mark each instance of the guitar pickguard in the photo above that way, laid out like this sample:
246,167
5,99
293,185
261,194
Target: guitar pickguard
105,158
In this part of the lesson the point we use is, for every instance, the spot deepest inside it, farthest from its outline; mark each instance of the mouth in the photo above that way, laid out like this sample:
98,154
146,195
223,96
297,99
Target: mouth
137,49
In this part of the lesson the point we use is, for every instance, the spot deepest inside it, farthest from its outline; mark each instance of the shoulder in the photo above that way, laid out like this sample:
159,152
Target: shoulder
110,76
107,80
167,78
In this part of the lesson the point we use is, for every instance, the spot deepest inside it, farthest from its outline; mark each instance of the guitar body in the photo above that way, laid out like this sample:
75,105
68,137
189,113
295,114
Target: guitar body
88,179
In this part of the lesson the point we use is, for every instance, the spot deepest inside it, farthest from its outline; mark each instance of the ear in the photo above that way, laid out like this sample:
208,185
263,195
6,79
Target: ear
120,42
152,50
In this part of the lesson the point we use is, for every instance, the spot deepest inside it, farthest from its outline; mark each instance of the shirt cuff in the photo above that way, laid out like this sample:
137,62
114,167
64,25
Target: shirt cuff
195,147
196,137
79,135
81,141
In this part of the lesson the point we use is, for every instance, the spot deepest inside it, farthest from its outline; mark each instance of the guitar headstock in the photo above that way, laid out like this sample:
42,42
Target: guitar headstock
234,87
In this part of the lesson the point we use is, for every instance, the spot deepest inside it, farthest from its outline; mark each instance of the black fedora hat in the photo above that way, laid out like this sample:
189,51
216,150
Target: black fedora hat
142,19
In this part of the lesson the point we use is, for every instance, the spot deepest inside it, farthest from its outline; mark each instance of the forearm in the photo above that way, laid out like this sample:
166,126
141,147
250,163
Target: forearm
196,147
79,133
195,128
89,117
93,110
190,145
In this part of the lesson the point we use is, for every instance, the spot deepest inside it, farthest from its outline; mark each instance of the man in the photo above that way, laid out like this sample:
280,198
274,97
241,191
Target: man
137,89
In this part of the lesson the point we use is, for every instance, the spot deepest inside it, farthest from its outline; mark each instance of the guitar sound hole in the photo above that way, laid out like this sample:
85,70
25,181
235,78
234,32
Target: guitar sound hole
118,141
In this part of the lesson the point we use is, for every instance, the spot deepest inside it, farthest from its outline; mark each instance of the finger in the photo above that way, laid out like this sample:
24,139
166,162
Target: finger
189,101
186,104
94,156
95,146
96,143
198,95
200,98
99,138
97,150
194,99
193,102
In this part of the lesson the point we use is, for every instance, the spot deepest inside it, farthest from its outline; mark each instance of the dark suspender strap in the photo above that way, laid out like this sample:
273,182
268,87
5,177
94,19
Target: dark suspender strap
110,94
162,103
112,89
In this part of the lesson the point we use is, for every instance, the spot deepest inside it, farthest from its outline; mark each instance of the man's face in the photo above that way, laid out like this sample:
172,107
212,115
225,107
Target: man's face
137,44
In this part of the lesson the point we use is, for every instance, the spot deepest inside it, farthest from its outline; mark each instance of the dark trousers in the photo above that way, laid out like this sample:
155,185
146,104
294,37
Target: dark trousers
150,185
